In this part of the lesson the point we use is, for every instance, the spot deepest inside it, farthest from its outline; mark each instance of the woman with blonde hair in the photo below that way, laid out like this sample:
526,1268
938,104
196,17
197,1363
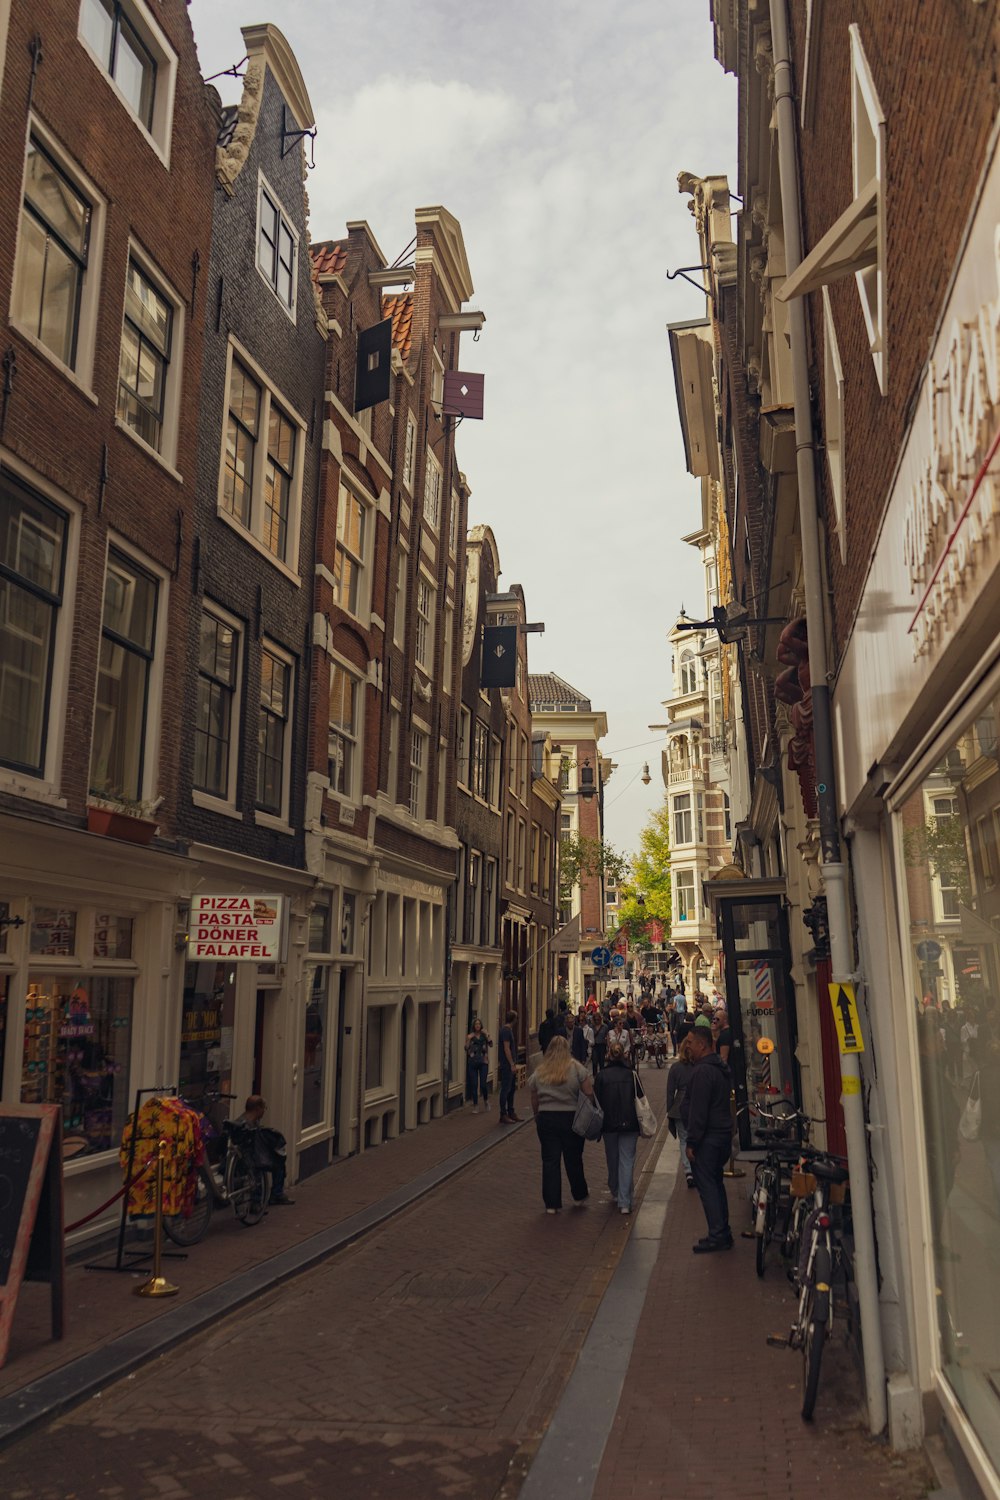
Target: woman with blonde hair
555,1087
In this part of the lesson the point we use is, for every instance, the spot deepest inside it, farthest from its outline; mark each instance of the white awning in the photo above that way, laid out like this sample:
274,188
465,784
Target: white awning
849,245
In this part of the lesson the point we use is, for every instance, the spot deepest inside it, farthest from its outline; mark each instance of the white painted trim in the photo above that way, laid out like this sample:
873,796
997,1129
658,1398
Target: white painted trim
263,186
141,17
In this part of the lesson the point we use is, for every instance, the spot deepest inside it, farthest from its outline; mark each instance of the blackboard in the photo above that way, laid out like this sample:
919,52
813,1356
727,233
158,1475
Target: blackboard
31,1209
18,1144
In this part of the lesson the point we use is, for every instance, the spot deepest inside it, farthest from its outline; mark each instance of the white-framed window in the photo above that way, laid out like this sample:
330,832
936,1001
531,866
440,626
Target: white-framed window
393,768
510,850
277,246
524,769
463,767
418,773
399,608
536,853
833,420
494,797
217,713
409,451
433,483
437,383
134,55
511,759
350,567
57,263
120,752
274,731
489,902
685,909
689,672
34,538
448,647
343,758
148,368
683,827
453,524
481,772
727,817
425,623
522,854
260,486
868,172
546,865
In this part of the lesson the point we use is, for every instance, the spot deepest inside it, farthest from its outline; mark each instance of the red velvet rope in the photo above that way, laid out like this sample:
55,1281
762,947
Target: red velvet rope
113,1199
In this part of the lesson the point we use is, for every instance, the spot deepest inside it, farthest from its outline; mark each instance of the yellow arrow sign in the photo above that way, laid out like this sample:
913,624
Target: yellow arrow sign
845,1018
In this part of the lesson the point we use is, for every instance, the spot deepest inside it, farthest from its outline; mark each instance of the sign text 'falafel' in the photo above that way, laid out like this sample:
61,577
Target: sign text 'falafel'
240,929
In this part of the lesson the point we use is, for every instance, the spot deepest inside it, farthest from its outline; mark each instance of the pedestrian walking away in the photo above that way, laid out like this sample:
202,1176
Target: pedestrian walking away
615,1091
678,1080
477,1068
556,1085
707,1120
508,1069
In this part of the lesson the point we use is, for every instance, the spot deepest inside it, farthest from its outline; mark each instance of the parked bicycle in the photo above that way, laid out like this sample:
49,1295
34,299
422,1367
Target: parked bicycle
656,1047
232,1174
821,1264
771,1201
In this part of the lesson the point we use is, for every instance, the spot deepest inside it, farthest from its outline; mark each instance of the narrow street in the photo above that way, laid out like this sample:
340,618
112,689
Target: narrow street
430,1358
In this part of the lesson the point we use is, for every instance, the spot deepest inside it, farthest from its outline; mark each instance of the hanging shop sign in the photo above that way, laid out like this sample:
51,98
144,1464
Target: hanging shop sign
240,929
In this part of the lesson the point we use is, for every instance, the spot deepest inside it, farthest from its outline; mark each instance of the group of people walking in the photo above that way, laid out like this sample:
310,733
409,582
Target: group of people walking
593,1053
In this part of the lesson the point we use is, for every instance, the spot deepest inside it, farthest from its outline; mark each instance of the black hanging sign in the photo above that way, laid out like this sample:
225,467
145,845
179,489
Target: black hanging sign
499,656
374,368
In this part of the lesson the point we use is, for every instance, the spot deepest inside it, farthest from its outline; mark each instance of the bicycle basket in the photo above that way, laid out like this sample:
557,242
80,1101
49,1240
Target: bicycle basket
803,1185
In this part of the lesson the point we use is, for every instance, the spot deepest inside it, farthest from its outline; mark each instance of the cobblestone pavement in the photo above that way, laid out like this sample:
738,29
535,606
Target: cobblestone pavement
426,1361
414,1364
709,1411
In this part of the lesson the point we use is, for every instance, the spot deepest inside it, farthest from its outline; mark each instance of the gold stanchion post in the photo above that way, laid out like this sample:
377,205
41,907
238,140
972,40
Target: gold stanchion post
733,1170
157,1285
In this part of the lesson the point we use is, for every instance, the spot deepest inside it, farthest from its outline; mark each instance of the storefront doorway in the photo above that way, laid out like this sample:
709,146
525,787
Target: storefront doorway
760,997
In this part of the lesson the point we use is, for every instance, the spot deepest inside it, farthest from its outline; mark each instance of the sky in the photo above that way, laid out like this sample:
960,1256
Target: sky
554,131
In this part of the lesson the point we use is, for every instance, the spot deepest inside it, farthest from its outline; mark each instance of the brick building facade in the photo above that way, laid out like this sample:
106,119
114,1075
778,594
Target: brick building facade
103,292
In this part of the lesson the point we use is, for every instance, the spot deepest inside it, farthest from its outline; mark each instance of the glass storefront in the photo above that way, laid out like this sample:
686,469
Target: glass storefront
77,1041
208,1018
949,830
316,1049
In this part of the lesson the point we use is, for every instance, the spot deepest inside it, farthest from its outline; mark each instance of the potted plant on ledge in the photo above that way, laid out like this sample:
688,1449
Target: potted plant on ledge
125,818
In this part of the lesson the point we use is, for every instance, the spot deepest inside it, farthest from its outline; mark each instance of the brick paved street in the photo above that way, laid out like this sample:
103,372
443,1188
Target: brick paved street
428,1359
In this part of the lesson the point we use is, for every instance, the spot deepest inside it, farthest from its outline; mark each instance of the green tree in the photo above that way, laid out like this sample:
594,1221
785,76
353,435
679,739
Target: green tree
648,877
940,844
580,856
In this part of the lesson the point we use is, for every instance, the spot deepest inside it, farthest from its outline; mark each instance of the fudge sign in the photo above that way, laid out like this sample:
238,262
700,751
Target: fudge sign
243,929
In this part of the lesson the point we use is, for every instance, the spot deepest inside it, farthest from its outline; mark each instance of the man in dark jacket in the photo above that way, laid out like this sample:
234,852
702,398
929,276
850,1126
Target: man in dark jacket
706,1116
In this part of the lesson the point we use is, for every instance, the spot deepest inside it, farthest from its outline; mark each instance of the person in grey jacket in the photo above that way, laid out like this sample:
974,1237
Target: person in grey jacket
614,1087
707,1119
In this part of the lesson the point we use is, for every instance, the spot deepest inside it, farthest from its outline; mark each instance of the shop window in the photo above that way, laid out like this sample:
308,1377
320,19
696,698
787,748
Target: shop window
273,736
277,247
53,932
374,1047
4,924
344,731
207,1022
144,364
77,1042
120,748
32,570
954,979
315,1049
112,936
216,728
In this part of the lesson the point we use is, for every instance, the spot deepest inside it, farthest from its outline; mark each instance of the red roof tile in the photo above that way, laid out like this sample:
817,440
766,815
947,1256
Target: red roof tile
330,257
399,308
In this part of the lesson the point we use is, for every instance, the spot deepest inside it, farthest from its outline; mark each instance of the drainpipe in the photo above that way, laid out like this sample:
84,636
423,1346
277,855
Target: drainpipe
833,870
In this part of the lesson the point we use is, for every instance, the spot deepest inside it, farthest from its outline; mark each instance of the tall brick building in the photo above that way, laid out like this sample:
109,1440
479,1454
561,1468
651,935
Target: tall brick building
855,356
103,292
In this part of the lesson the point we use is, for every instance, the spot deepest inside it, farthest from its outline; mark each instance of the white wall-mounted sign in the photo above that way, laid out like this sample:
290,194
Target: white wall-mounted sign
240,929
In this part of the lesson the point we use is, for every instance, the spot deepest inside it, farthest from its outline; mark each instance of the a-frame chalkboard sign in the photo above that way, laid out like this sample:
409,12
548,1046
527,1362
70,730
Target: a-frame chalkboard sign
31,1209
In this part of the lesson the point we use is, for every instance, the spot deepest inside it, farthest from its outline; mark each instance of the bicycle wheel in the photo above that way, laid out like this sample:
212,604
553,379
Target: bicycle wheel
249,1188
766,1233
816,1320
661,1058
189,1230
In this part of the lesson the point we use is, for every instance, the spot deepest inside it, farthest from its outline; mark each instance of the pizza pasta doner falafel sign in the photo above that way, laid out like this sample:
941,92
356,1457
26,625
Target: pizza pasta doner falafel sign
240,929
